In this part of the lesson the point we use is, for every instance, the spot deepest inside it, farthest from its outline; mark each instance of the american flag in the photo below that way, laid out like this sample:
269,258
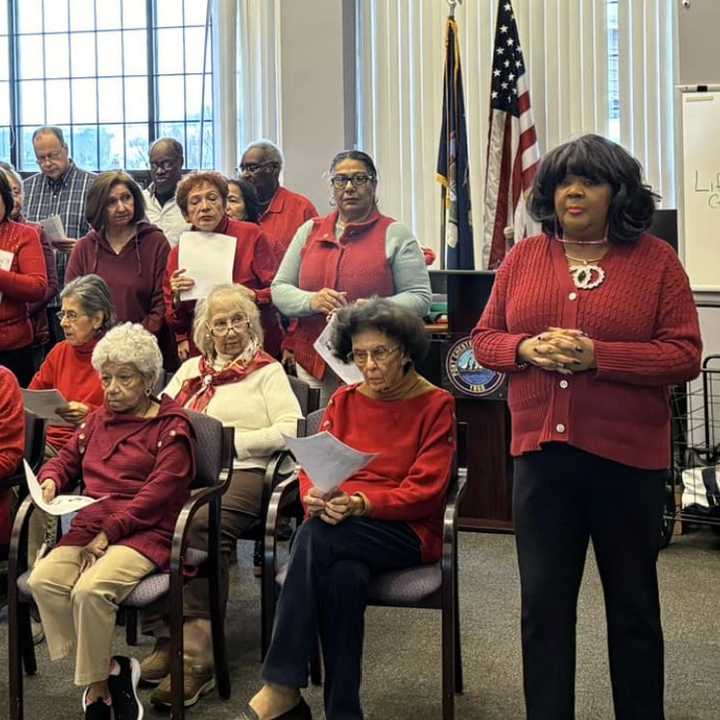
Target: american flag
513,152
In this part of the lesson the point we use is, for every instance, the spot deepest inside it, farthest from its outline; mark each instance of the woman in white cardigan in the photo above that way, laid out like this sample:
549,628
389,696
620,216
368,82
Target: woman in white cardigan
235,381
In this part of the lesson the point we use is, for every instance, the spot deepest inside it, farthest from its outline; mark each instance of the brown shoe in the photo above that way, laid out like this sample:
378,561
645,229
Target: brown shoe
156,666
198,681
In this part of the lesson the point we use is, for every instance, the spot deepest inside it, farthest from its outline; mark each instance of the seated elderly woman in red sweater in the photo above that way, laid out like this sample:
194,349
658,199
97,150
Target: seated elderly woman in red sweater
386,517
593,320
202,197
125,250
87,314
12,444
23,280
137,454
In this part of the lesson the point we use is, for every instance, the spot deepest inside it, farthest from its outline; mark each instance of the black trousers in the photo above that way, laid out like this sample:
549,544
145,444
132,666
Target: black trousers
562,498
325,594
20,363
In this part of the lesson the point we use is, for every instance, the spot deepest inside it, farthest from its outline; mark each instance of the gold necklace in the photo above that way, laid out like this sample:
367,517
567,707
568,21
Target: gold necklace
585,261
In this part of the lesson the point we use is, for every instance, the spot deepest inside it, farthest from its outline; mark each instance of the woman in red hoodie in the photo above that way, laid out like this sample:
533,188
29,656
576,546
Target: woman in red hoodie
124,249
23,280
202,197
136,456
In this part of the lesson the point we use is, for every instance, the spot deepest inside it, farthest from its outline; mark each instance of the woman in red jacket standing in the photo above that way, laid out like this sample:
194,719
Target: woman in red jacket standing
23,280
593,320
387,516
202,197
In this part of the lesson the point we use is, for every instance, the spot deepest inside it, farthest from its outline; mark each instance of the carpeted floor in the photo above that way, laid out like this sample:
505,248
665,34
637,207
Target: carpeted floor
402,657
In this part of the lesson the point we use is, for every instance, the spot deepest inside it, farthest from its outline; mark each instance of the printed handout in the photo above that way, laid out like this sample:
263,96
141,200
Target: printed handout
208,259
59,505
349,373
44,403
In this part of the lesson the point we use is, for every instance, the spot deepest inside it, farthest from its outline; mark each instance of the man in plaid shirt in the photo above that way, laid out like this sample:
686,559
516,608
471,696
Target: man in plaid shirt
60,188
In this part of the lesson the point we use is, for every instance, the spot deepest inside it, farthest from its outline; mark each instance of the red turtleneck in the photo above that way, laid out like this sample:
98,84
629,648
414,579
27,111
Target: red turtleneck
67,368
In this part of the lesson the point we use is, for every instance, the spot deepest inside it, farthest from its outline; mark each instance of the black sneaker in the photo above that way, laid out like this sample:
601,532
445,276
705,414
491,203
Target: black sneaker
99,710
123,689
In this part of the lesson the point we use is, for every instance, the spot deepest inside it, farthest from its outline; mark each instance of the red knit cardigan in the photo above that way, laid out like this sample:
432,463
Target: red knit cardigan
644,326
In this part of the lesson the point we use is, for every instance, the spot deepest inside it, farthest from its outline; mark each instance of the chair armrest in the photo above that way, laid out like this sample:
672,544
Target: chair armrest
274,474
17,557
450,516
197,499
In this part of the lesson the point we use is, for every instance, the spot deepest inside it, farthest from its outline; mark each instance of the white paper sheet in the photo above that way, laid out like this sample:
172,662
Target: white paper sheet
59,505
327,461
6,258
349,373
208,259
53,227
43,404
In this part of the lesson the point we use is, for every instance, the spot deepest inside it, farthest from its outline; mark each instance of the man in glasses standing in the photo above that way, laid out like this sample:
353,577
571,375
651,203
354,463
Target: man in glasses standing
60,188
283,211
166,162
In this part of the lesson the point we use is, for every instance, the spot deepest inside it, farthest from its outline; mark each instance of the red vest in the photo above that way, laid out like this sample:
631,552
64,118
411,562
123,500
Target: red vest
355,263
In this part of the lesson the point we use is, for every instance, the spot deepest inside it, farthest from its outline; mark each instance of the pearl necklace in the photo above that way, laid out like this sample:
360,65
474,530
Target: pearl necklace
587,276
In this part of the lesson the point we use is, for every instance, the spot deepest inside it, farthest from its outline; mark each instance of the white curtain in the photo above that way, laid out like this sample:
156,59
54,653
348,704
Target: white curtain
565,46
258,72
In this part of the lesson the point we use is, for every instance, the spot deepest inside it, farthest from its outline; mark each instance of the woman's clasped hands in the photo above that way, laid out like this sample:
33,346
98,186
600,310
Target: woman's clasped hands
334,509
562,350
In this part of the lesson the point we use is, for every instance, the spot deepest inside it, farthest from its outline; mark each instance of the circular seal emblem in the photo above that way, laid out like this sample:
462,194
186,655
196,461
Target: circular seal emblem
467,375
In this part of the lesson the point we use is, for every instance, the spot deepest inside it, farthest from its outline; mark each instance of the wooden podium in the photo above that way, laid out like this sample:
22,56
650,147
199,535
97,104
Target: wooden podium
480,397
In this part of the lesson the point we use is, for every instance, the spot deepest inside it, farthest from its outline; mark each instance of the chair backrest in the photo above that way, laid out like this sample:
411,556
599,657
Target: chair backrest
309,398
34,440
213,449
310,424
162,382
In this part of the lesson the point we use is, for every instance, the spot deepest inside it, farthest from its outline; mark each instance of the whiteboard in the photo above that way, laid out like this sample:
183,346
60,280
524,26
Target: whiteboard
700,187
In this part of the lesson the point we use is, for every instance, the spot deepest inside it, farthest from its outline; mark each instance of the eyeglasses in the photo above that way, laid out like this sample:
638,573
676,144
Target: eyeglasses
221,329
124,380
165,165
379,355
252,168
48,157
359,180
71,316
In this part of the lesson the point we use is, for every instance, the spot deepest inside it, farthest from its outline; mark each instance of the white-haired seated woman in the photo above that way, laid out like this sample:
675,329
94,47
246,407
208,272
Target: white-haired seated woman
137,453
237,382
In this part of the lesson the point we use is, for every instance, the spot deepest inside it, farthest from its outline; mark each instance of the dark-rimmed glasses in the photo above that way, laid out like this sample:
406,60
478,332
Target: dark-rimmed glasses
359,180
252,168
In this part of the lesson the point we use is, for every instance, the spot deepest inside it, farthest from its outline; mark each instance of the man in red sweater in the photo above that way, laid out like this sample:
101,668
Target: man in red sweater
283,211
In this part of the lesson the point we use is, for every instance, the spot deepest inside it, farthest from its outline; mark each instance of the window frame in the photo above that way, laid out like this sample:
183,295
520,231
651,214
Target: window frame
202,123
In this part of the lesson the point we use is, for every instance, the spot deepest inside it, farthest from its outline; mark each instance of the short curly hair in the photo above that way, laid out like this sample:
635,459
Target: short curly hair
599,159
192,180
130,343
383,315
201,336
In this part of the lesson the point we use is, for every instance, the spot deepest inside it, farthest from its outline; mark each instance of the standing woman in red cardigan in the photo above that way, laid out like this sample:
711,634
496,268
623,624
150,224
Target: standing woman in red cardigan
593,320
387,516
23,280
202,198
353,253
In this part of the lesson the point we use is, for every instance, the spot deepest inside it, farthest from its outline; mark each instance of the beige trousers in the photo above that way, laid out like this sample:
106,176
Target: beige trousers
80,608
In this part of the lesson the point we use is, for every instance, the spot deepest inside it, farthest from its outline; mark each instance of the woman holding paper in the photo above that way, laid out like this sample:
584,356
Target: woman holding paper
352,253
23,280
235,381
202,197
137,453
387,516
124,249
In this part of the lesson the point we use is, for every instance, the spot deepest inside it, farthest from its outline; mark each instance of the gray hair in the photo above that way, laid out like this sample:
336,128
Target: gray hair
273,152
50,130
94,296
175,146
11,172
201,335
130,343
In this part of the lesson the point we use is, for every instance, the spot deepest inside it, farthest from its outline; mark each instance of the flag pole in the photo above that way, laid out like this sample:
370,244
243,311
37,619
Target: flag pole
452,4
